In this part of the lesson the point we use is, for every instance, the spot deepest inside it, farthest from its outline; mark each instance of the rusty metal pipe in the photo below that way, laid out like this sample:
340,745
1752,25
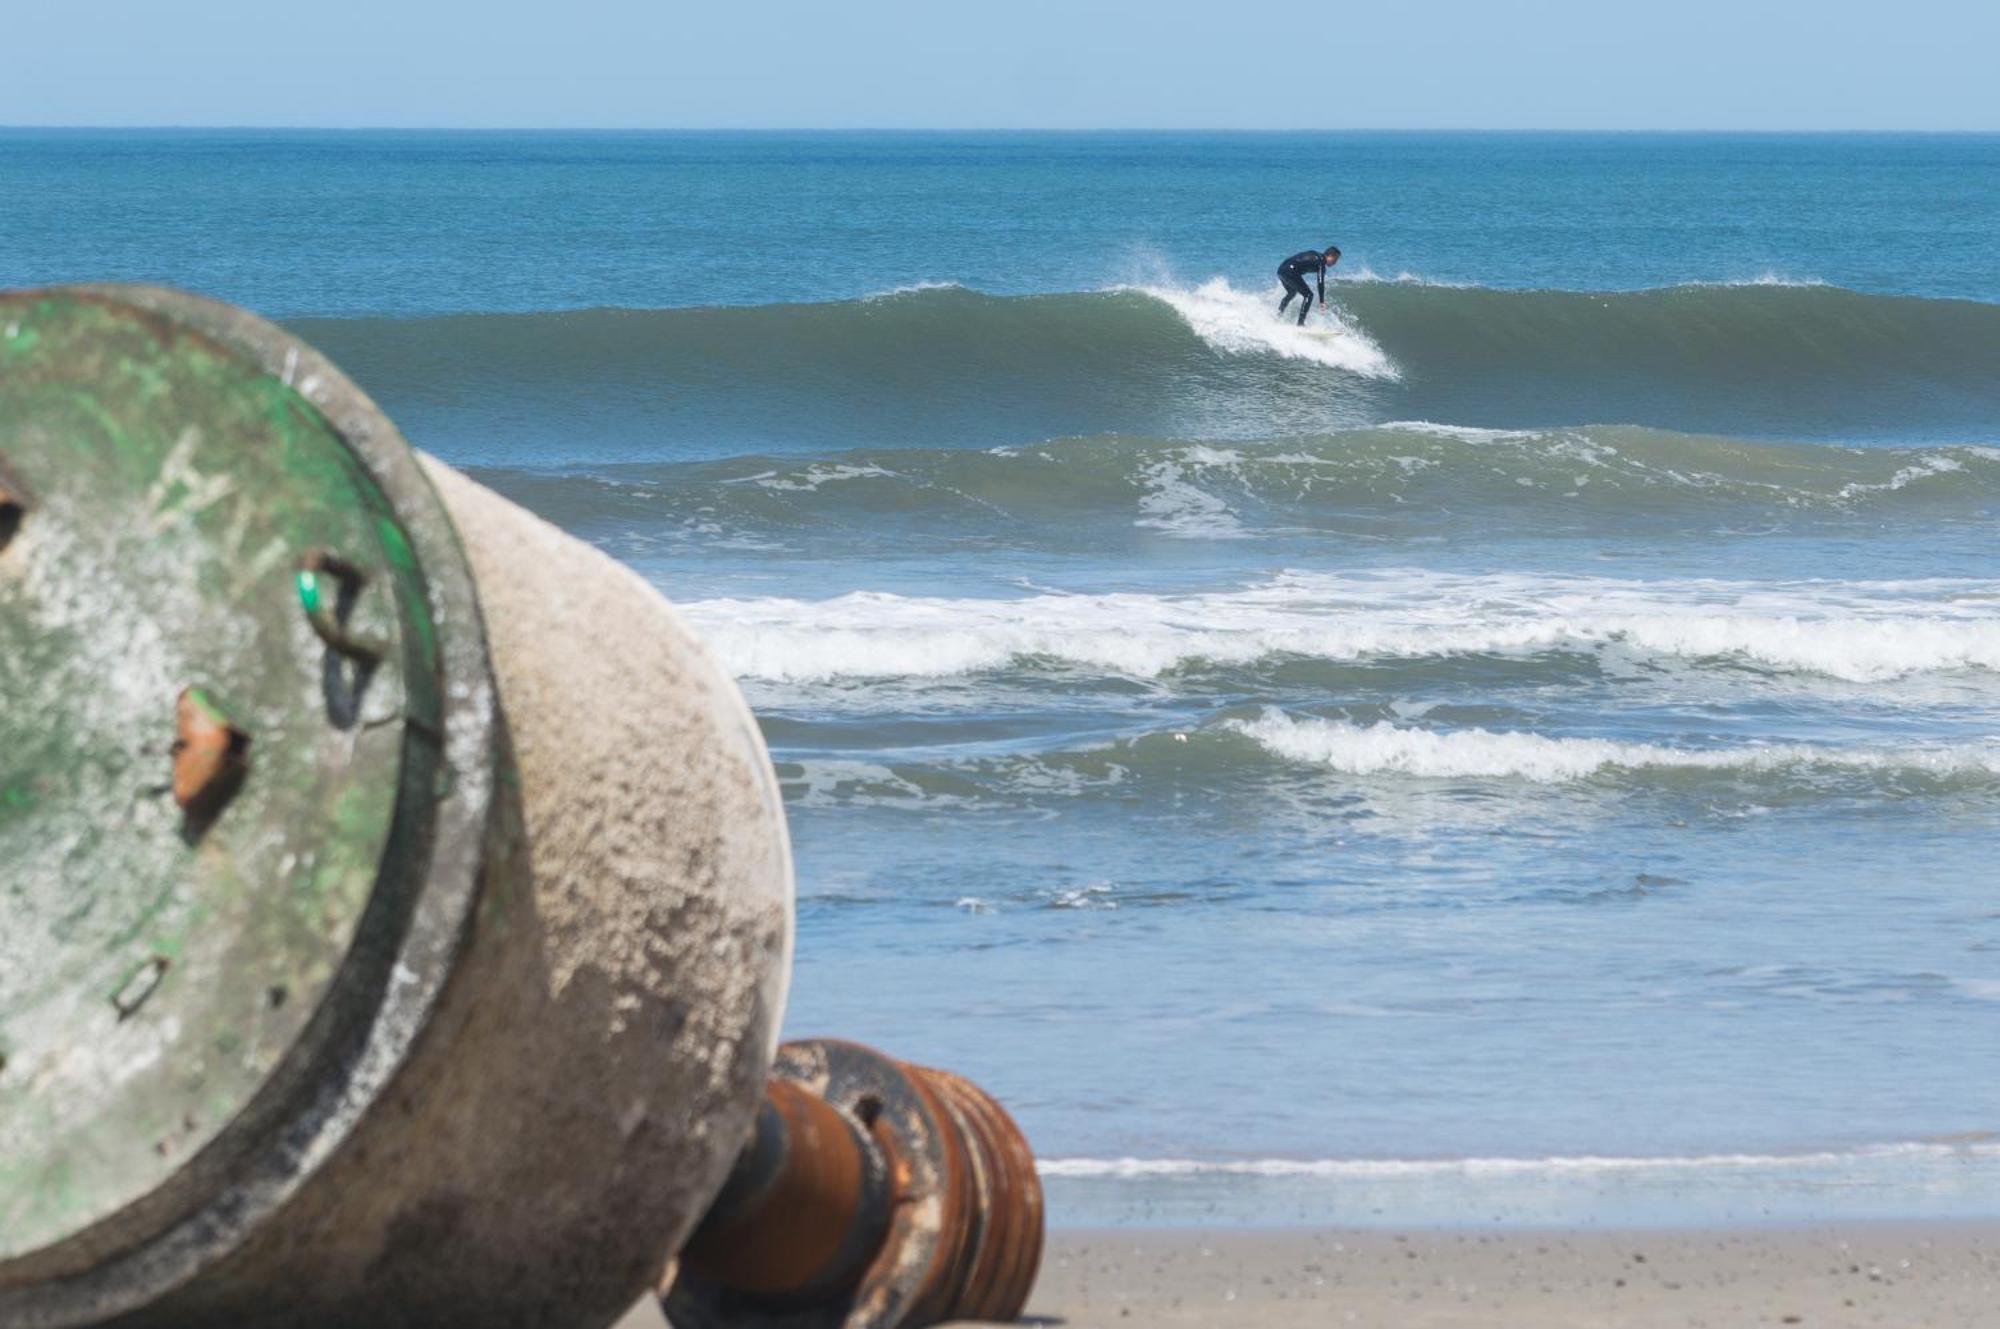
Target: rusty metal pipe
805,1209
801,1239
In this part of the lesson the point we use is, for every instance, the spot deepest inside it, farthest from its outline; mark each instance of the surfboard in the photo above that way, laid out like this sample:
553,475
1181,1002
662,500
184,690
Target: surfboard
1321,334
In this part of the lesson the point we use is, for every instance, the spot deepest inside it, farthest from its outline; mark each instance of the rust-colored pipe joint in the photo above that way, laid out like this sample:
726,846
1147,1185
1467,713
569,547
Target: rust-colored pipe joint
874,1195
209,752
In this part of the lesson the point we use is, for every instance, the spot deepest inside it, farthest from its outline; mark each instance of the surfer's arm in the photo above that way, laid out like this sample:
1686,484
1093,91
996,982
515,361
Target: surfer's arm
1322,283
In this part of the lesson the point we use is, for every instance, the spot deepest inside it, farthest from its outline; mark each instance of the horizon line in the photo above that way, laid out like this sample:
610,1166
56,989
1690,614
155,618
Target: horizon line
293,127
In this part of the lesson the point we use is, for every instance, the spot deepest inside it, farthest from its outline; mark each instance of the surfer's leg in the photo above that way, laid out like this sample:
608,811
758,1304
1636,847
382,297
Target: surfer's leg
1305,306
1293,286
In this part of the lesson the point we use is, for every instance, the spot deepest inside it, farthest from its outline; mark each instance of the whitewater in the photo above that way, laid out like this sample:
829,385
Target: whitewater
1858,632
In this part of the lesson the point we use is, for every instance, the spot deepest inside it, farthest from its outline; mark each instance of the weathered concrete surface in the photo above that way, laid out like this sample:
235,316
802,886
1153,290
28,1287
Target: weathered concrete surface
598,1053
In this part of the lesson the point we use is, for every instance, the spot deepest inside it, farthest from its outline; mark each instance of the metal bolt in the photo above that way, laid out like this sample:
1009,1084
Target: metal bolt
328,586
211,755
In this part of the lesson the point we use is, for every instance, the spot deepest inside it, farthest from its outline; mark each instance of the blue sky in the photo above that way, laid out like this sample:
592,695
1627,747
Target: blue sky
1564,64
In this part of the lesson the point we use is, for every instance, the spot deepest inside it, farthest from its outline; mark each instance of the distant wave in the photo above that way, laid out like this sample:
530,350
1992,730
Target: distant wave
1765,278
1388,749
1367,276
1852,631
1386,478
913,288
1334,1169
948,365
1261,759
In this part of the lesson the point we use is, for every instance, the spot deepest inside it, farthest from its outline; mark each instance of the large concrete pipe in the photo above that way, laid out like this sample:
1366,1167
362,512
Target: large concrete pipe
394,897
395,904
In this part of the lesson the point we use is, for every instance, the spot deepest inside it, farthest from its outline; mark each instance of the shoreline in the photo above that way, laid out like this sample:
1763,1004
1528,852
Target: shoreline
1901,1273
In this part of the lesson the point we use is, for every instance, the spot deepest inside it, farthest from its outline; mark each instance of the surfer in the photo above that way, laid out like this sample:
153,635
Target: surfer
1292,272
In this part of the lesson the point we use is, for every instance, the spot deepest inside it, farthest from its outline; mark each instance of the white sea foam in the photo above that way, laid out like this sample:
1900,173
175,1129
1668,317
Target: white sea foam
1174,503
1396,1168
1768,277
1247,323
914,288
1854,631
1377,749
1925,467
814,477
846,784
1367,276
1097,895
1467,433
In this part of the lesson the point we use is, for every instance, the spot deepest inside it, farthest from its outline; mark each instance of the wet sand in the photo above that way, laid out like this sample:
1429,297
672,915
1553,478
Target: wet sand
1901,1275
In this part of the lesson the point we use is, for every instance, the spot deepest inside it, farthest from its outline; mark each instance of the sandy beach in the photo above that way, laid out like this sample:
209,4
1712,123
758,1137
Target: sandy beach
1898,1274
1904,1275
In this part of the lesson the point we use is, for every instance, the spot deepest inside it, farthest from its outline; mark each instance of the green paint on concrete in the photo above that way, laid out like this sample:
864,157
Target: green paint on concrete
175,488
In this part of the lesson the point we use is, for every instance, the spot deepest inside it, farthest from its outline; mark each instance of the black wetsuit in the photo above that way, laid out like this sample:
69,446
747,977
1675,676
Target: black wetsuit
1292,272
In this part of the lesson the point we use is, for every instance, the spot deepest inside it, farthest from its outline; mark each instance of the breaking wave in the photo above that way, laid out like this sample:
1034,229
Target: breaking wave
1411,475
1262,758
1854,631
1209,361
1388,749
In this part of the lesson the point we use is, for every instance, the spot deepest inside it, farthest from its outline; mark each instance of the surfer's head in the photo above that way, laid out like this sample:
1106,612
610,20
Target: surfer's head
1332,255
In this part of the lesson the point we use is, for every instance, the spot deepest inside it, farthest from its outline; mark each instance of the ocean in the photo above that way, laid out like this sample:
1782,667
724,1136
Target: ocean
1534,757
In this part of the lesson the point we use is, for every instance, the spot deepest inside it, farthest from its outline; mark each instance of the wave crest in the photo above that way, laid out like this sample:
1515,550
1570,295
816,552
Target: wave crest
1412,476
1386,749
1234,322
1857,632
1202,362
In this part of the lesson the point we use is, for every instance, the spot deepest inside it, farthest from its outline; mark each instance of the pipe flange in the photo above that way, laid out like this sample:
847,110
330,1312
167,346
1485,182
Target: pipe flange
963,1236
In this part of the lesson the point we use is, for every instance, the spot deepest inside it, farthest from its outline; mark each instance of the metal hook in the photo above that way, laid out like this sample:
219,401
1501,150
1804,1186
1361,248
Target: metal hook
328,614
